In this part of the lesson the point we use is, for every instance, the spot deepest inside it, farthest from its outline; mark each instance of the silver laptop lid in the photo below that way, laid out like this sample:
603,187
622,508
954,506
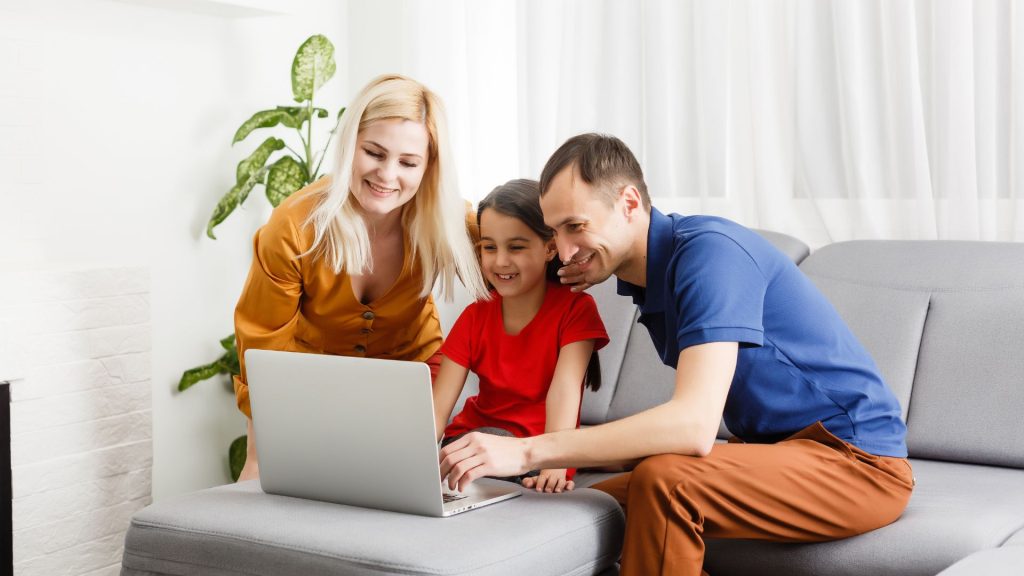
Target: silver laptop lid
349,430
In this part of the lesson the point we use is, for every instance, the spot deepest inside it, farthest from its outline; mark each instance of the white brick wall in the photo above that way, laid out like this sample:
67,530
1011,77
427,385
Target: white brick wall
81,415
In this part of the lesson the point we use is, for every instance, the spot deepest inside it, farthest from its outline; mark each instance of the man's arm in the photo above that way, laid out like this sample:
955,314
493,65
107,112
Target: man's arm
686,424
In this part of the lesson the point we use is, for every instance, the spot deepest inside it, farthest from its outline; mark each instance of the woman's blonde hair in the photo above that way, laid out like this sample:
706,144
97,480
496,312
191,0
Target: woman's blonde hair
434,220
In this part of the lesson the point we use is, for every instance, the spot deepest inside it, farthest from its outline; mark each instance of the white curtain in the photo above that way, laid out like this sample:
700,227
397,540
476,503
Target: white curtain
829,120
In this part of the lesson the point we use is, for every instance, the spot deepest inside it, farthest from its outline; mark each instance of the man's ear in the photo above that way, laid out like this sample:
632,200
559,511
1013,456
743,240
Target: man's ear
631,201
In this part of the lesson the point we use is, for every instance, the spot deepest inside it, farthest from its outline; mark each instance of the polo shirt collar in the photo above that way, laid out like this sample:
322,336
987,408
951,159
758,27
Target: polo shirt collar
659,251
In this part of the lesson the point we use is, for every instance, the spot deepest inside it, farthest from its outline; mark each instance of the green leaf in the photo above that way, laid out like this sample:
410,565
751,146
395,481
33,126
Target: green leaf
300,114
248,174
229,361
312,67
259,177
200,373
266,119
286,176
257,159
236,456
225,207
232,199
288,116
226,364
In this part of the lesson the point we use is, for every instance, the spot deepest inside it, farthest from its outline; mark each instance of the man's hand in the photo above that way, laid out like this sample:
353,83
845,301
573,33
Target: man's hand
570,274
551,480
476,455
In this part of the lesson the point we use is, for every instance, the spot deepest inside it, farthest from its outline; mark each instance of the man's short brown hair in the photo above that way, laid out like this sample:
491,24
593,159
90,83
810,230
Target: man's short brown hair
603,161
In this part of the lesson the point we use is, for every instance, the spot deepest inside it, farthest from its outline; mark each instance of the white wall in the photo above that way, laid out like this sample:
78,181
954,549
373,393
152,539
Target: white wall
81,414
116,119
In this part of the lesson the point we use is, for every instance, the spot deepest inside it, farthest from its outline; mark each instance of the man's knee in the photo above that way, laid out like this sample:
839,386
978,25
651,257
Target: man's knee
656,474
659,485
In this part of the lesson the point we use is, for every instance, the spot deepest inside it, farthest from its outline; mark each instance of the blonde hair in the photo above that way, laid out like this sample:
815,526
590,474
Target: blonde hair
434,220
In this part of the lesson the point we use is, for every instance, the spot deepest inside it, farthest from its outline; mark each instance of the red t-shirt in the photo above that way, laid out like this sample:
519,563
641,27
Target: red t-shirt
515,371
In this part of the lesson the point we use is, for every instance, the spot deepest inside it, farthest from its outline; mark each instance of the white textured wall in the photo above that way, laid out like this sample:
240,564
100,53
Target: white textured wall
81,416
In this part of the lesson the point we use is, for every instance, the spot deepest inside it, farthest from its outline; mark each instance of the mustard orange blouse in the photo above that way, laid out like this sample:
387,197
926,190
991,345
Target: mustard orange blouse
301,305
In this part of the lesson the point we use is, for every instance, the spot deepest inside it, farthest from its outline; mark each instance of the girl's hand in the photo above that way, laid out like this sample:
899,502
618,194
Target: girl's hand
552,480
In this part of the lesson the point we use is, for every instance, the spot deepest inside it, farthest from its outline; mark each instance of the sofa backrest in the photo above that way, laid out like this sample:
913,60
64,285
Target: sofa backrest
633,375
944,320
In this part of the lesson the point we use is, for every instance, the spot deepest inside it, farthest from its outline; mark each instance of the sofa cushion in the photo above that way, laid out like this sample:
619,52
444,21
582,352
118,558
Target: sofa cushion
619,317
956,510
1005,561
237,529
966,392
644,380
1017,539
968,400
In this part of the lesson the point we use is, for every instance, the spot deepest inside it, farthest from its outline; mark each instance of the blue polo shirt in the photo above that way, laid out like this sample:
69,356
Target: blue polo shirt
712,280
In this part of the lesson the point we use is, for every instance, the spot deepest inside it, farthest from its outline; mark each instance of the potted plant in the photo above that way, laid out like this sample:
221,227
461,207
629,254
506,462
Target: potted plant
280,169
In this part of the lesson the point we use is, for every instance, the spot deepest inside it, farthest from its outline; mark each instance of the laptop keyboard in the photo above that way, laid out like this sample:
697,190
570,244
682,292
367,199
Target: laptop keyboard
452,497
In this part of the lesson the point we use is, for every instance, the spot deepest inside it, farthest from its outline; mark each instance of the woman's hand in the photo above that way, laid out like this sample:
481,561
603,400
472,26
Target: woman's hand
552,480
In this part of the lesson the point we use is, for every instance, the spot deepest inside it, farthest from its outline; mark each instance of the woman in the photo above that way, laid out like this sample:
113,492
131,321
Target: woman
346,265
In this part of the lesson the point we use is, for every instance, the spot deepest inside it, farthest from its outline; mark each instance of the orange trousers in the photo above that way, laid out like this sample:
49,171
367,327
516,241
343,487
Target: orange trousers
811,487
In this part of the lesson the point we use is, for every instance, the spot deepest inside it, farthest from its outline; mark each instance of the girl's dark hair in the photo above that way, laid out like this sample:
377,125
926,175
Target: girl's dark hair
520,199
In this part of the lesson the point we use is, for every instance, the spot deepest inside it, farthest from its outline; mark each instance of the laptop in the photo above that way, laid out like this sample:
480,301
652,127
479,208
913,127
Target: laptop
355,431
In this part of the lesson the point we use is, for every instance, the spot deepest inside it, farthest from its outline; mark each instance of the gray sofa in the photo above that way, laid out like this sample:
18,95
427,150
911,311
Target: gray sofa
945,322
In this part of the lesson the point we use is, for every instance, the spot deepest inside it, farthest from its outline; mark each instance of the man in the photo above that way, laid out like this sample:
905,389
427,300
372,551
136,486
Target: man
819,452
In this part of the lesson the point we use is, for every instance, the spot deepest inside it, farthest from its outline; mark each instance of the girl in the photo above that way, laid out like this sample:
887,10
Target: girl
533,344
346,265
